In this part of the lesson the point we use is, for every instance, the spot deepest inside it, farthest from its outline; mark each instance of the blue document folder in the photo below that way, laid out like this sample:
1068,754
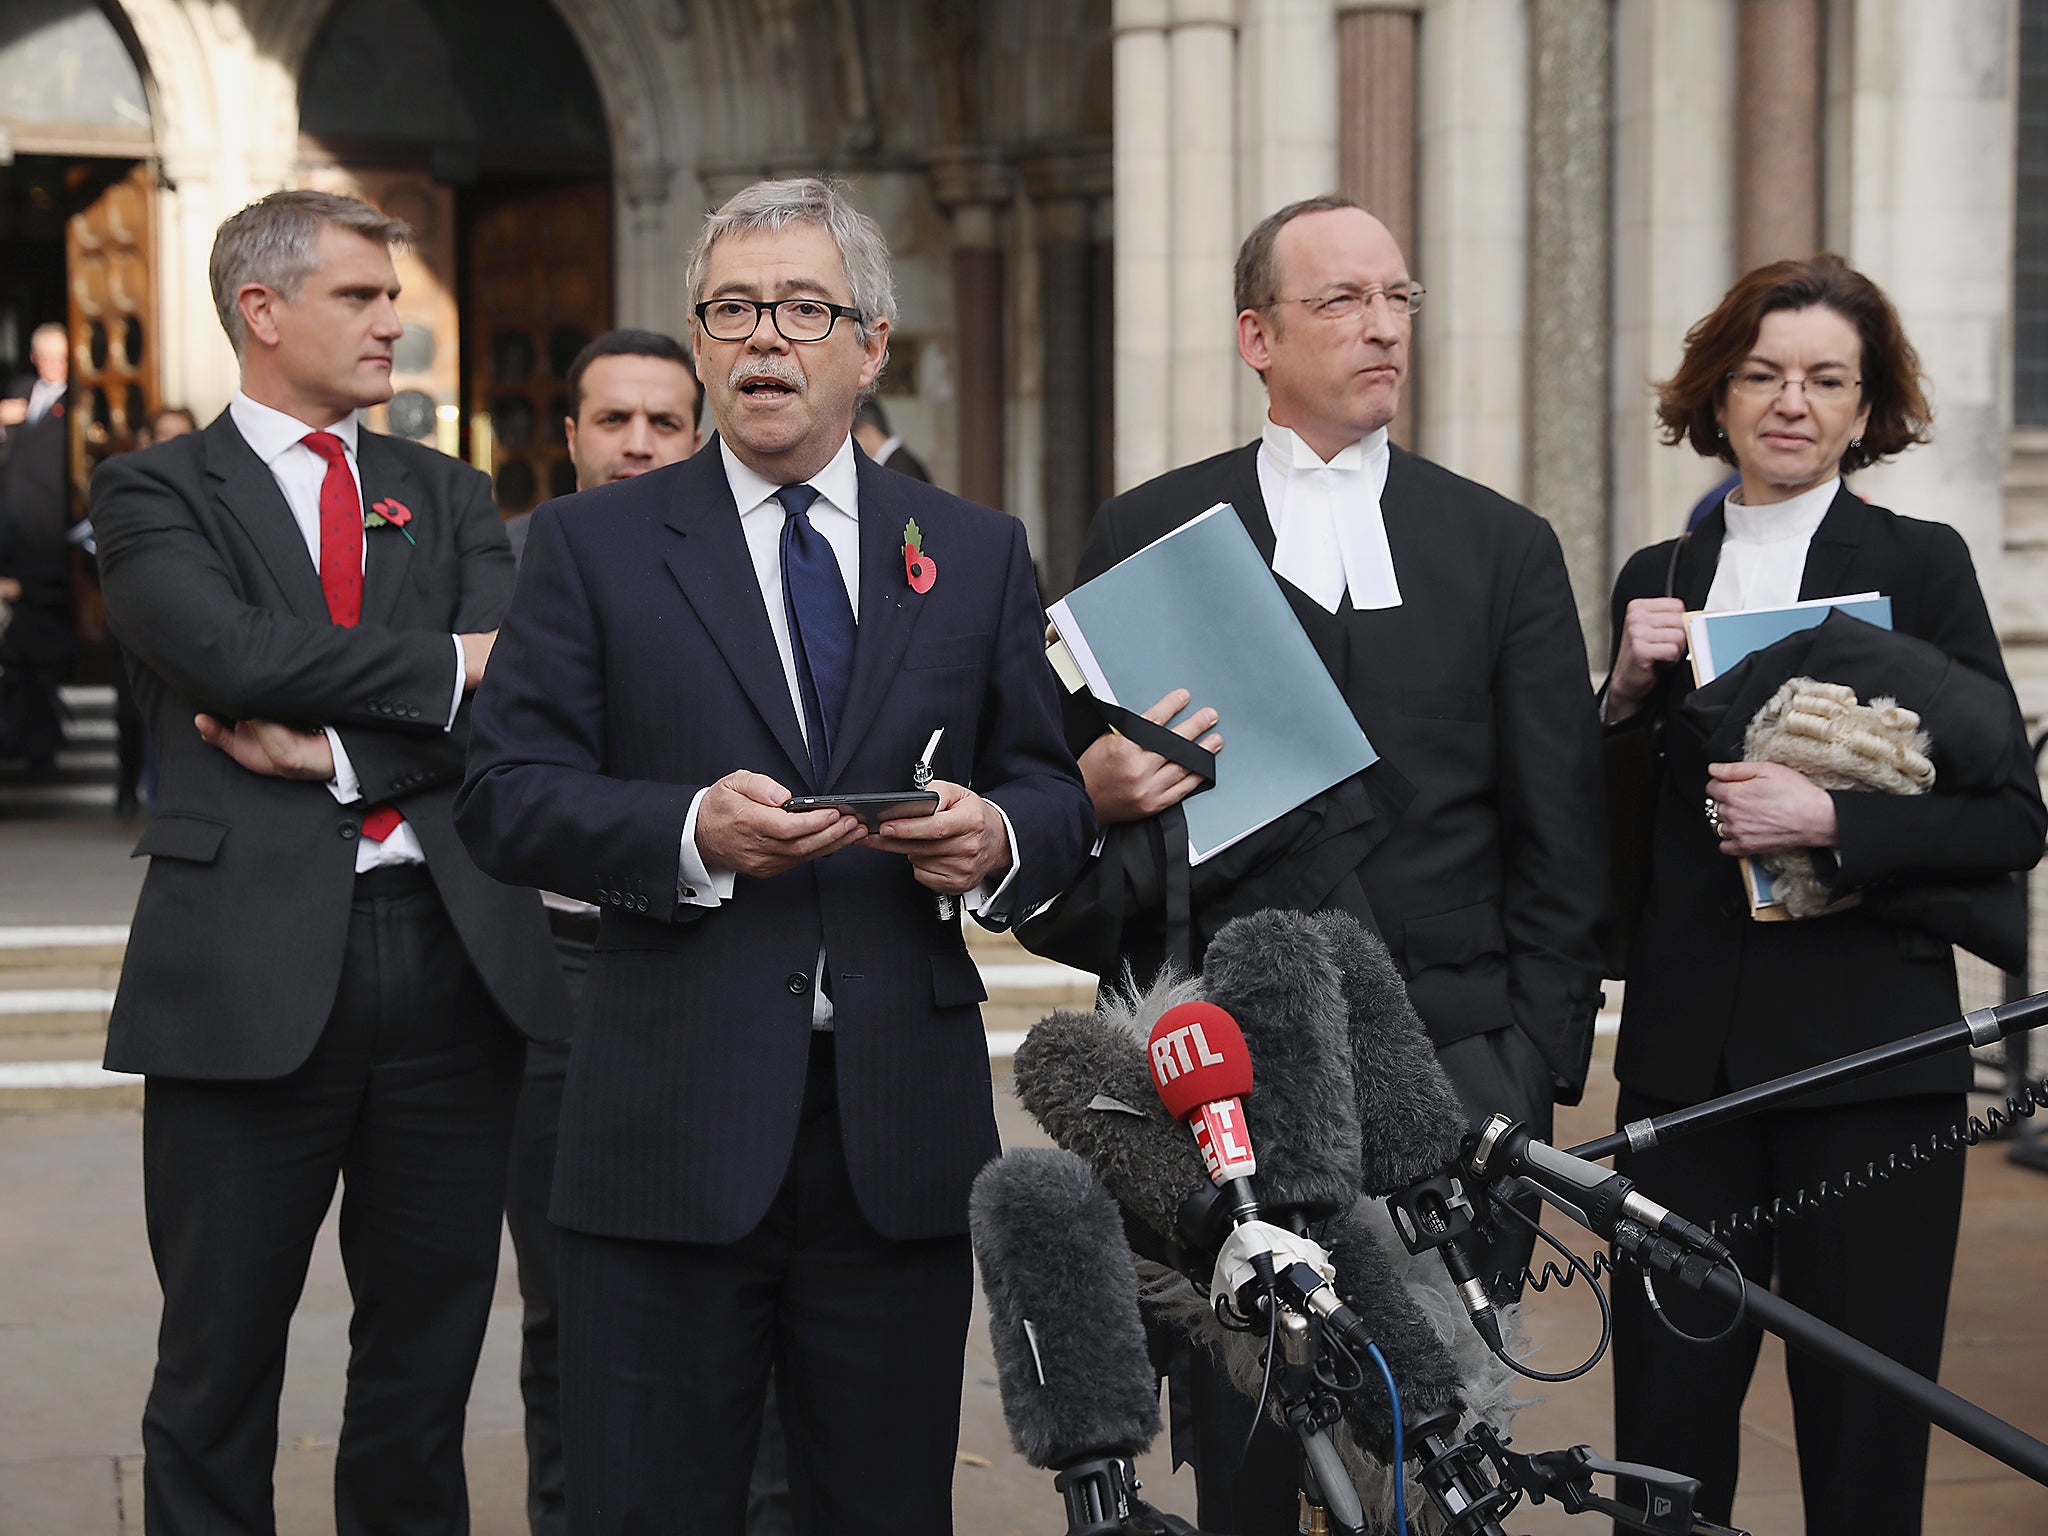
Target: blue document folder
1198,609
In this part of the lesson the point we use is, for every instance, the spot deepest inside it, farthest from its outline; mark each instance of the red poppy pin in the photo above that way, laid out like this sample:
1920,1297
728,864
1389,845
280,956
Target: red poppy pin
396,513
920,568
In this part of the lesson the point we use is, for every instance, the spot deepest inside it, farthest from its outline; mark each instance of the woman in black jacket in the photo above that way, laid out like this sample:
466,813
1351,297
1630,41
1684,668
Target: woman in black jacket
1800,375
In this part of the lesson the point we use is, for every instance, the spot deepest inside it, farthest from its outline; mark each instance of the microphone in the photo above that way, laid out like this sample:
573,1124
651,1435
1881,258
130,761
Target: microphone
1078,1390
1063,1310
1411,1121
1274,973
1202,1073
1596,1198
1085,1081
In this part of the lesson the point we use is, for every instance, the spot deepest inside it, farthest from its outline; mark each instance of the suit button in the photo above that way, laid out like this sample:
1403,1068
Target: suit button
348,831
799,983
640,903
413,713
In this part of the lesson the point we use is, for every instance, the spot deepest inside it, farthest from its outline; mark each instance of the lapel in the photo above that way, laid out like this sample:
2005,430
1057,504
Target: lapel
1698,560
249,492
710,562
1834,546
388,555
1241,490
889,610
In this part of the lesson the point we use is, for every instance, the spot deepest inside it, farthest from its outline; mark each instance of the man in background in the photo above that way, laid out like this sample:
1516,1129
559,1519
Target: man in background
872,431
39,644
633,406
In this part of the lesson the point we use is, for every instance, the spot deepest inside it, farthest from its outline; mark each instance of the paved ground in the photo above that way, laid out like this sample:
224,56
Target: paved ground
77,1311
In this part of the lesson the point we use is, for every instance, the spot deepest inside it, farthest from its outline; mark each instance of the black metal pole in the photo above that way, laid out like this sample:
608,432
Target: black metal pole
1977,1028
1965,1420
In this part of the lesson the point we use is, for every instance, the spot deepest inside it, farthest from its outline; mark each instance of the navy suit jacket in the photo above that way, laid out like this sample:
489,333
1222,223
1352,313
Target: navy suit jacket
635,667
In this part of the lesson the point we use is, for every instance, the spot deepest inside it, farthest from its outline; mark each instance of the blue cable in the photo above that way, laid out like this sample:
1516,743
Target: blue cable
1400,1442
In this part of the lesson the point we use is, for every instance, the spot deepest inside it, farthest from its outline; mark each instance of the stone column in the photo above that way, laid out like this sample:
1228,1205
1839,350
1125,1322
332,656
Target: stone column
1288,131
1143,211
648,290
1473,211
1570,293
1376,112
1921,196
1064,190
1201,46
1777,131
973,189
1376,47
1674,239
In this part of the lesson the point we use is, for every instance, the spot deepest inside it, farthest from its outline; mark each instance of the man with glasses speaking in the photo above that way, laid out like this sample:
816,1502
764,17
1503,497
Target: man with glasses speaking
780,1088
1443,612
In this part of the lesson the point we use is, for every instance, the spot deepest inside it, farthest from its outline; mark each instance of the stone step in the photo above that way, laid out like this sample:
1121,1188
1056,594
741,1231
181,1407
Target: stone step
26,948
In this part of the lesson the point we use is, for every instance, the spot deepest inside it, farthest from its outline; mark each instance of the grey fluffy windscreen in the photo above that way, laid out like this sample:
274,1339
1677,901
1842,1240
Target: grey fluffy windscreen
1409,1116
1274,973
1063,1310
1072,1069
1423,1369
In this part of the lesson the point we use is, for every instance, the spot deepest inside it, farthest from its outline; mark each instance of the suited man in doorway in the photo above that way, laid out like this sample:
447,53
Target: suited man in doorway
1444,614
320,986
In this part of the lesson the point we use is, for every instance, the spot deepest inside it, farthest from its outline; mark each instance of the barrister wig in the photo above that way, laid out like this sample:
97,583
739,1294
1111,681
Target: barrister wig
1717,345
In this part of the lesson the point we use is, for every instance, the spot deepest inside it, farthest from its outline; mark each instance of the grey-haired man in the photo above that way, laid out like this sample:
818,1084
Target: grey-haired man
780,1090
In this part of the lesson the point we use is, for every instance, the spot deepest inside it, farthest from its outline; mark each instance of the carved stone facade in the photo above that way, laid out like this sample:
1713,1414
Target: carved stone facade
1064,183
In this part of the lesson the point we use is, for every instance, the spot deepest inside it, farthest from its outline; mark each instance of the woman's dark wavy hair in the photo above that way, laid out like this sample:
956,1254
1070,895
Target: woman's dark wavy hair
1899,414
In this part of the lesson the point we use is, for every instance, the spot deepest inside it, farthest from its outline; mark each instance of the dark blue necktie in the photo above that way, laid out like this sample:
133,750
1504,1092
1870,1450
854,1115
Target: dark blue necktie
820,623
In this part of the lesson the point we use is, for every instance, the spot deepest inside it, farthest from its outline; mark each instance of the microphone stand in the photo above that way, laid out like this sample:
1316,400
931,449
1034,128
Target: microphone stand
1981,1026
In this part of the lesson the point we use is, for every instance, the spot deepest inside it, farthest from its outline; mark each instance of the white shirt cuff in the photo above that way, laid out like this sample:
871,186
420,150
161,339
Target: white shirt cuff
697,883
984,902
455,703
344,786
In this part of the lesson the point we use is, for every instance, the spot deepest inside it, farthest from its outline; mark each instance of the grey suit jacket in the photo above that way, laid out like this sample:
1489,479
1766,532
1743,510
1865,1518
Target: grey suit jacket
236,948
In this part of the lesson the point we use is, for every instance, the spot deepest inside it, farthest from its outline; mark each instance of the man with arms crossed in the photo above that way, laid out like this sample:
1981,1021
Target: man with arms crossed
781,1091
1444,613
319,983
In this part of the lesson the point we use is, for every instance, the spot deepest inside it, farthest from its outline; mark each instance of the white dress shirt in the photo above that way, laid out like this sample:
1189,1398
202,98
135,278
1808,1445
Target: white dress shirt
43,394
1763,556
279,441
836,516
1328,534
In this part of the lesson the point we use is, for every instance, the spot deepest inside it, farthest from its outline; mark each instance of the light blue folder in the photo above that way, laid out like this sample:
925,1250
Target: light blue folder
1199,610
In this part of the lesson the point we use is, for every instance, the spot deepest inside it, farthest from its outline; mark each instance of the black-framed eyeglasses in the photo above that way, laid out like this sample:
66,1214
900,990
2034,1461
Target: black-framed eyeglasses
1350,303
736,319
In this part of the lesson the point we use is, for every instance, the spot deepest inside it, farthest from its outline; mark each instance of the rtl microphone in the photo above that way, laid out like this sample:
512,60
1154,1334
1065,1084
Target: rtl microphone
1411,1120
1077,1387
1202,1074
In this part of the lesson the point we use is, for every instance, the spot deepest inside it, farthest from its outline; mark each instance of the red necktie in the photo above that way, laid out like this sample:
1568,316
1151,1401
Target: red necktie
341,569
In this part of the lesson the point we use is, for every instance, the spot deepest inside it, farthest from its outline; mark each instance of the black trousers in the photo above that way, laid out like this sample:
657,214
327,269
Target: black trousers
666,1350
536,1245
1876,1265
1256,1493
407,1099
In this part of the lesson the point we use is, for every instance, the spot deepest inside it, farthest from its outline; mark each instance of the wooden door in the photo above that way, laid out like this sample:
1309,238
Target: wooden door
540,286
110,270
